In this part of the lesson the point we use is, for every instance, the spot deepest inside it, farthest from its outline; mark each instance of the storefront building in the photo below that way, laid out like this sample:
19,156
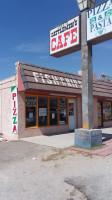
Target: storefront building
41,101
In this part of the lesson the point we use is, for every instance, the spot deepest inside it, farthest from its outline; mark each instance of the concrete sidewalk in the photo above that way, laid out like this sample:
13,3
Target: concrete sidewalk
106,134
107,130
63,140
58,141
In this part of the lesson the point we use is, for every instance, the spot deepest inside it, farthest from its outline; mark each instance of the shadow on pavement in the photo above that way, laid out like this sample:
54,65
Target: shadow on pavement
106,136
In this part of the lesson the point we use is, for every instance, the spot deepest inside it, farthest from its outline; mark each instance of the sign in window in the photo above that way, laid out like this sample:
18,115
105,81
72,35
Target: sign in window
42,111
31,111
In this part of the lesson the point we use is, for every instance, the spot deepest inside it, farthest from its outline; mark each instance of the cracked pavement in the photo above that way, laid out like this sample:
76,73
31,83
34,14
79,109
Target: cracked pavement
31,171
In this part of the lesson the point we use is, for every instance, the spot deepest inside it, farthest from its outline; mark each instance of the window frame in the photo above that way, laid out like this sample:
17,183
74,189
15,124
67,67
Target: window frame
105,109
48,96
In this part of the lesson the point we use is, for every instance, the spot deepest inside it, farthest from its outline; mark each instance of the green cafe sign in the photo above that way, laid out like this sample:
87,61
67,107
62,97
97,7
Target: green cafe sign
99,20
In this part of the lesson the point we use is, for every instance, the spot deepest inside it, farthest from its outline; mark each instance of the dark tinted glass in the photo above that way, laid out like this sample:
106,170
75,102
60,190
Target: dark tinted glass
63,110
53,111
42,111
30,111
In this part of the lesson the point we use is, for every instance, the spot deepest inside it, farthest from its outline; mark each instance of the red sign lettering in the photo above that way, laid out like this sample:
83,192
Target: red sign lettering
52,44
13,96
14,112
60,45
74,36
14,129
66,35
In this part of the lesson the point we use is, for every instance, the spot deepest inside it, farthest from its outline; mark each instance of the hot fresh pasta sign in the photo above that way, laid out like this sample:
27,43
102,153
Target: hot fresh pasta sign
64,39
14,109
99,21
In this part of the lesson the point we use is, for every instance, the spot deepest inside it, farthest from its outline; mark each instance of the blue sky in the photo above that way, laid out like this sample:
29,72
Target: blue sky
24,36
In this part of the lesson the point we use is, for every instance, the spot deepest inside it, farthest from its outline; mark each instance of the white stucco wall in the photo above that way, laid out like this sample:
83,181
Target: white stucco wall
6,108
0,110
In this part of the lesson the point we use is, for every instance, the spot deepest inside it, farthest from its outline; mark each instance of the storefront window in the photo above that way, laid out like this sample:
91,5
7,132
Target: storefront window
57,111
42,111
53,111
108,110
30,111
63,110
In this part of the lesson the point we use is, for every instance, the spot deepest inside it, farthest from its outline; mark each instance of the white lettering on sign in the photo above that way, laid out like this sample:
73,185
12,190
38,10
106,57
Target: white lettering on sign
64,36
99,20
56,80
14,109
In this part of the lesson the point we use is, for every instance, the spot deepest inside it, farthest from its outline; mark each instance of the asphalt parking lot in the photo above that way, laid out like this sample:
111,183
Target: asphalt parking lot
33,171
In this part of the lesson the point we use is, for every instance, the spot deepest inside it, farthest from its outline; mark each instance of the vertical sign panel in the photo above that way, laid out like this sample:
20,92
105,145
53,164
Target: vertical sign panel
14,109
99,22
65,38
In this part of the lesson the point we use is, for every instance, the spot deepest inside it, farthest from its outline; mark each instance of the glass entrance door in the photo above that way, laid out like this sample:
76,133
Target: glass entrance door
72,114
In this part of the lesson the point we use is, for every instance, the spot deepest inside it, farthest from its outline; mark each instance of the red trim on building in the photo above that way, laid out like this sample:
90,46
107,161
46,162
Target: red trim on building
20,82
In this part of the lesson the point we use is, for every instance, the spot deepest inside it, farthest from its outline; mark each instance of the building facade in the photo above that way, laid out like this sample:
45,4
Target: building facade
41,101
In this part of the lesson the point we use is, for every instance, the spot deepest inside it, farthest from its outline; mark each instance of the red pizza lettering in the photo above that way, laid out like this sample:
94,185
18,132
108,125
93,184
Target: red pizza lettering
14,129
14,112
13,96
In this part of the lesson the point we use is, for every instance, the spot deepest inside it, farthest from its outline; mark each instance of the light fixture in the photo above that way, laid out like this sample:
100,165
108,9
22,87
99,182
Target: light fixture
86,4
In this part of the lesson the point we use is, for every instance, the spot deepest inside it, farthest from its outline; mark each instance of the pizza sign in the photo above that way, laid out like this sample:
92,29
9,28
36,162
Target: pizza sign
99,21
14,109
64,39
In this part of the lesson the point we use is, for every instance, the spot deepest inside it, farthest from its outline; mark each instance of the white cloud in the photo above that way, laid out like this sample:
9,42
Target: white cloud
76,57
43,57
31,47
106,45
